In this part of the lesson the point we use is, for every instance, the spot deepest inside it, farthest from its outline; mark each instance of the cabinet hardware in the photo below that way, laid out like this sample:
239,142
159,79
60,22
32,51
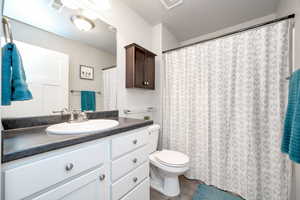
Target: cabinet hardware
135,179
135,160
69,166
134,141
102,177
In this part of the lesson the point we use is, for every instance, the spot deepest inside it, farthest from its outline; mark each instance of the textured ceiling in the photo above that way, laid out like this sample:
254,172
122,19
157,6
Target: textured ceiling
198,17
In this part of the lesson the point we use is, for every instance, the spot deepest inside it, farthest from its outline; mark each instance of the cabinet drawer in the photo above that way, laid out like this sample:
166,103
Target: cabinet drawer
129,162
130,181
142,191
30,178
91,186
127,143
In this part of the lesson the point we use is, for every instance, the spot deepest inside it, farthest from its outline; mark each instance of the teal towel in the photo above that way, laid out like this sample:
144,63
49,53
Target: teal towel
88,101
14,86
291,134
205,192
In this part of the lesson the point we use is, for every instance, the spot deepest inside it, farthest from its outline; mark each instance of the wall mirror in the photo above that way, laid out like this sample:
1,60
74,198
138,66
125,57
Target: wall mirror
66,51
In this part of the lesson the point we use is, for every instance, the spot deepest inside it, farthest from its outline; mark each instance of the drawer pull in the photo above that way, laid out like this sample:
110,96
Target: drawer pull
69,167
134,141
102,177
135,160
135,179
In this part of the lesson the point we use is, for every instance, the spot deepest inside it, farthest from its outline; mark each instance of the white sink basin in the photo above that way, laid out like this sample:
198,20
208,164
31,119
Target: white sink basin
86,127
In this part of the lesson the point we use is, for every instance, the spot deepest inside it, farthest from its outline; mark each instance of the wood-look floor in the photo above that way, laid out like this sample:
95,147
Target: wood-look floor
188,187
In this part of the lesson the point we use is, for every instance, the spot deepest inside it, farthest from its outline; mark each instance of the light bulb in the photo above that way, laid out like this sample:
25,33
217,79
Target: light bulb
82,23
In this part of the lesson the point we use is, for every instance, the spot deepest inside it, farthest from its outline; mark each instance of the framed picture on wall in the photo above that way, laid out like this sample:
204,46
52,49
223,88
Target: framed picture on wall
86,72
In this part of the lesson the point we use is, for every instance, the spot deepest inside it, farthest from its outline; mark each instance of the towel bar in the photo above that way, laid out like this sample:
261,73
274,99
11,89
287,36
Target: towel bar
73,91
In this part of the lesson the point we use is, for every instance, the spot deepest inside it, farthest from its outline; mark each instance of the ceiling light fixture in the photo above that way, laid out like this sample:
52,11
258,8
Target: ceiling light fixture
70,4
82,23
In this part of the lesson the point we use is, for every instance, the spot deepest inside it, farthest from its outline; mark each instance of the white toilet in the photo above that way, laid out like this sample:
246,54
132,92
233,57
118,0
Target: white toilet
165,166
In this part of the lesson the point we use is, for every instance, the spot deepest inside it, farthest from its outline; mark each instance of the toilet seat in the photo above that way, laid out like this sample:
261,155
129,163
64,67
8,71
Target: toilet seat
171,158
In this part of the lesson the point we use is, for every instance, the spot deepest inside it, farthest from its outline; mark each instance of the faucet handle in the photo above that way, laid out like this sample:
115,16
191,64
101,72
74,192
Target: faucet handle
76,111
83,115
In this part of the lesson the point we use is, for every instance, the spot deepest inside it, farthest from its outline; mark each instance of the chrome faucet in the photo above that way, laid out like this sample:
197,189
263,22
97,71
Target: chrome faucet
81,116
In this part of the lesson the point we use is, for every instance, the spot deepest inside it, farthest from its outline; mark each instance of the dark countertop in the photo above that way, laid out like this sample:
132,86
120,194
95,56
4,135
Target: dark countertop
25,142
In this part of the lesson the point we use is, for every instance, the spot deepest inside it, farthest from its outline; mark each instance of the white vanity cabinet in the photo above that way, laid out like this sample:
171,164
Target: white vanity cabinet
111,168
130,165
92,186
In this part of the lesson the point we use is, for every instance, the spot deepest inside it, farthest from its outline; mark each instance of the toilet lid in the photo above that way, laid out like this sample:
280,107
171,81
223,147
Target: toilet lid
171,158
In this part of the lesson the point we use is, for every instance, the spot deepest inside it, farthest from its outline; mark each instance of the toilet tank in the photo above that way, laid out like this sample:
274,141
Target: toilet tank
153,137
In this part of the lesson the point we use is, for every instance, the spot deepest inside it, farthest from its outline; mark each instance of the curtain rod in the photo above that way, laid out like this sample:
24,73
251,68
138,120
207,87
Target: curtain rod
234,32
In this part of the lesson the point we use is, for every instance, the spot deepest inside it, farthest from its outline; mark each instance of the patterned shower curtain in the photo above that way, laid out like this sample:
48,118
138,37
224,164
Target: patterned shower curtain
223,105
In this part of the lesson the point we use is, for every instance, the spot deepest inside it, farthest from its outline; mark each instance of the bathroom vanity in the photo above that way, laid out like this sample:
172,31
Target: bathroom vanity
108,165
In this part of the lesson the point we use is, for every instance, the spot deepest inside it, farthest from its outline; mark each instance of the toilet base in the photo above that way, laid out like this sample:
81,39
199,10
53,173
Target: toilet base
169,188
167,184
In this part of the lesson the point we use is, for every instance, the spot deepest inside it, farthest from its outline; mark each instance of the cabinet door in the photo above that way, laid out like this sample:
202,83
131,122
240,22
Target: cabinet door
139,68
149,71
91,186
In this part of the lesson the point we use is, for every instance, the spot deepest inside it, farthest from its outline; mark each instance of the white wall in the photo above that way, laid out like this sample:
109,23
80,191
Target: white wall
157,48
79,54
131,28
162,39
169,41
287,7
229,29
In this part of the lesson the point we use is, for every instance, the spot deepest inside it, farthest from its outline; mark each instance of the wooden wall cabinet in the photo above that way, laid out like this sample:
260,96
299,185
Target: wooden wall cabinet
140,67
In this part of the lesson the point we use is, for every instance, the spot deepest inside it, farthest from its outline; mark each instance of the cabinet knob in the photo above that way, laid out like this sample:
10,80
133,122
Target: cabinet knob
102,177
69,166
135,179
134,141
135,160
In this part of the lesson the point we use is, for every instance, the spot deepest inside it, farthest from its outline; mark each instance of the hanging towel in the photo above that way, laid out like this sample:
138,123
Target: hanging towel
88,100
291,135
14,86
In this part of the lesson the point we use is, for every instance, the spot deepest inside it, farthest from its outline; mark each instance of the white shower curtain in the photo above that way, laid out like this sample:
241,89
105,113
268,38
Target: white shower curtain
223,105
110,89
